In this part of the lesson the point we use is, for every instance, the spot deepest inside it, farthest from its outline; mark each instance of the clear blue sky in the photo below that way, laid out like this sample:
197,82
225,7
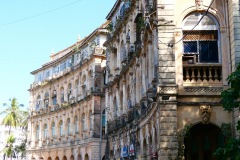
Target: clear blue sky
30,29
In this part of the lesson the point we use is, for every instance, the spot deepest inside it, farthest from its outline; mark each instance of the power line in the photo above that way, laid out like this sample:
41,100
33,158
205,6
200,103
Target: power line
171,44
39,14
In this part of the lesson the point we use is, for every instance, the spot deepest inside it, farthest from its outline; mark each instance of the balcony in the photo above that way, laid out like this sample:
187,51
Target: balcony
202,74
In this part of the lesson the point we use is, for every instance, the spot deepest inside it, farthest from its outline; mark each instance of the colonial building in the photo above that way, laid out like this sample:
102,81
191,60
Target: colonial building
167,62
66,101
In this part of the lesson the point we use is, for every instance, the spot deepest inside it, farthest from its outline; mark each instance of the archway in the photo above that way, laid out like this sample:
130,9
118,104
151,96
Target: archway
49,158
64,158
86,157
79,157
103,157
202,142
72,157
57,158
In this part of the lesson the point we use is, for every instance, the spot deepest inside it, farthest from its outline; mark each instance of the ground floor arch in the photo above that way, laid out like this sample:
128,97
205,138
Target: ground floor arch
79,157
202,141
86,157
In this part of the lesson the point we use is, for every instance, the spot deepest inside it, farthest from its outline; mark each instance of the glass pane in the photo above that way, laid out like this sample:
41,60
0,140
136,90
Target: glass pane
103,121
208,51
207,23
190,47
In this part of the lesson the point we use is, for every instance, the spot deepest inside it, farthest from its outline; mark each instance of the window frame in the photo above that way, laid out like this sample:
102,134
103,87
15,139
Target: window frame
212,28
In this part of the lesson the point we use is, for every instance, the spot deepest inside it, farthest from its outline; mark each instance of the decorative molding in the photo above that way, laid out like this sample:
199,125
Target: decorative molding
203,89
167,90
199,4
205,113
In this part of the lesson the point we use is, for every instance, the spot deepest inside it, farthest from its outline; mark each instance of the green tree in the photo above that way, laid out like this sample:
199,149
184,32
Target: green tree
9,149
13,114
21,149
231,100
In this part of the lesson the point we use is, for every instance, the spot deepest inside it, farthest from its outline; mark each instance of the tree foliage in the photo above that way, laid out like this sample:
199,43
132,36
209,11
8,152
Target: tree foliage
9,149
230,97
14,117
13,113
231,100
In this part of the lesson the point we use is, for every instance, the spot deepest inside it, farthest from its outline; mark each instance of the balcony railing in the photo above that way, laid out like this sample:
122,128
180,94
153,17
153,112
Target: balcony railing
200,73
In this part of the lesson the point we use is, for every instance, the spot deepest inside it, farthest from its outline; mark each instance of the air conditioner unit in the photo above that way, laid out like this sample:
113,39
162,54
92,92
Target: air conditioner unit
132,48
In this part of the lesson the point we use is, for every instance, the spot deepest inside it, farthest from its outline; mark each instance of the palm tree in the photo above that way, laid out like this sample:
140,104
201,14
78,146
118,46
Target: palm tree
13,114
21,150
9,149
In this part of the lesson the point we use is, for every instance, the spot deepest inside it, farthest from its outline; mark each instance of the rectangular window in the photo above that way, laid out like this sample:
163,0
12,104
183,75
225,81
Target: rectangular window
203,44
63,66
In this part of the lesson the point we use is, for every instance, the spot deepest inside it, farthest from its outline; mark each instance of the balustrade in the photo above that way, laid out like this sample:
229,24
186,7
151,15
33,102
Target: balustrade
199,73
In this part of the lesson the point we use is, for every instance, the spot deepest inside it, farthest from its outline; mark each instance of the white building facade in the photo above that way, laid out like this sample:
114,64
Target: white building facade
65,102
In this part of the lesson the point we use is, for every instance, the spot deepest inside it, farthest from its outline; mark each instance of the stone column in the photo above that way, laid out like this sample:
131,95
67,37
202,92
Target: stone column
168,122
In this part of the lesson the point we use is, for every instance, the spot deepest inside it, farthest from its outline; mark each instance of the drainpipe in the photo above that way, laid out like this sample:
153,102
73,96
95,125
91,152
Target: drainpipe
100,143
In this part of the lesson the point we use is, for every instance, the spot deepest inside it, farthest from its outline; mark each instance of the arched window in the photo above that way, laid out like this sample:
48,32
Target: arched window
45,131
90,119
115,106
76,124
68,126
77,88
103,122
202,41
69,92
54,97
38,102
123,54
103,118
60,128
62,95
37,132
46,100
84,126
53,130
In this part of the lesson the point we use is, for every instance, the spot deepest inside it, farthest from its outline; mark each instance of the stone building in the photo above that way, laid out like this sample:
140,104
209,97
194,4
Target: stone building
167,62
66,101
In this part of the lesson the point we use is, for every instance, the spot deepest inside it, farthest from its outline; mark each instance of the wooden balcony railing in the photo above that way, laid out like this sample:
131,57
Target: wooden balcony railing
200,73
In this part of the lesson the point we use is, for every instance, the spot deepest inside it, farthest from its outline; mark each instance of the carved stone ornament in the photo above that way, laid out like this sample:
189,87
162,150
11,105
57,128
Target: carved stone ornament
205,113
199,4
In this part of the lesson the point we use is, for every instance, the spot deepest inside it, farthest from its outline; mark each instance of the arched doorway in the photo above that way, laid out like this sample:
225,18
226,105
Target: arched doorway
56,158
86,157
72,157
79,157
103,157
202,142
49,158
64,158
